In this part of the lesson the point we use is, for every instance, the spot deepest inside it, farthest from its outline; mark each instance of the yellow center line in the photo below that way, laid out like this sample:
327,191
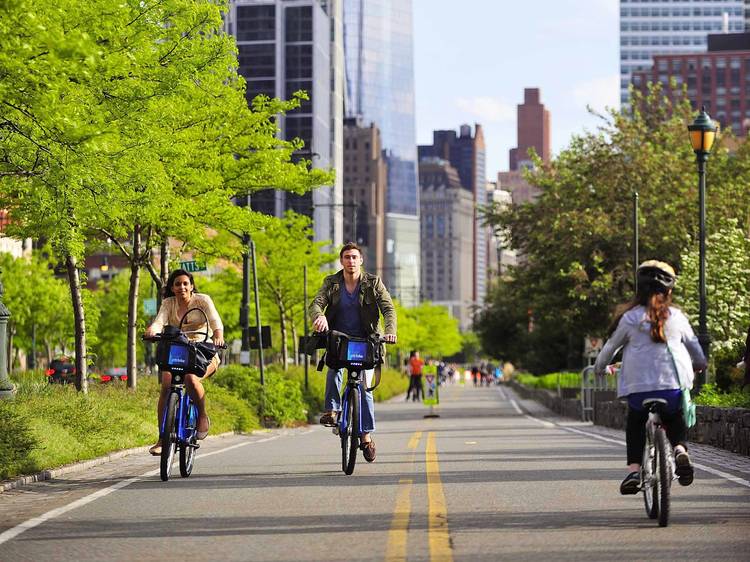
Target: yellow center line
438,534
396,549
414,441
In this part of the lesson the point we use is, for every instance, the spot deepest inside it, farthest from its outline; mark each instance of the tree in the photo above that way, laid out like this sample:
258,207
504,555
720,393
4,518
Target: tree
429,329
37,301
283,249
131,122
576,239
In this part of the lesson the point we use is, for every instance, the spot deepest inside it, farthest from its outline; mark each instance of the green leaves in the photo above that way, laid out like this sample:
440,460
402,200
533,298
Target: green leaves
577,239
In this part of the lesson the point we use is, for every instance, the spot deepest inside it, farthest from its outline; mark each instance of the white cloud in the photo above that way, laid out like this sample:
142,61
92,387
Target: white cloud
598,92
487,109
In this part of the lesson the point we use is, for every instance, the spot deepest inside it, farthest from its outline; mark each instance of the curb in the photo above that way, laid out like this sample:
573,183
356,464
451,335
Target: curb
52,473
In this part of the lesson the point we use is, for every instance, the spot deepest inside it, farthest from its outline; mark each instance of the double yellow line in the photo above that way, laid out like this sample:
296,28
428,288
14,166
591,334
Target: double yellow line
438,533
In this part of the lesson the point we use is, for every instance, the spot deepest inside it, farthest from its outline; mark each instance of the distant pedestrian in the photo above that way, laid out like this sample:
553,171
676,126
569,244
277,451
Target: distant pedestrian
415,376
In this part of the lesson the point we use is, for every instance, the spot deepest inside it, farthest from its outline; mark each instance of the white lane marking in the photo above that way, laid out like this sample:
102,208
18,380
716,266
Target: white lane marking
714,471
34,522
542,422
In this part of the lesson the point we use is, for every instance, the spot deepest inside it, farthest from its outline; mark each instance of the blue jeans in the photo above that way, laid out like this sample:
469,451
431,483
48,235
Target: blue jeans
333,397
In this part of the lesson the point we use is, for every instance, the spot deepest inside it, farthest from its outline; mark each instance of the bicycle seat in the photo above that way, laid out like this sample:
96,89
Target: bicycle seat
649,401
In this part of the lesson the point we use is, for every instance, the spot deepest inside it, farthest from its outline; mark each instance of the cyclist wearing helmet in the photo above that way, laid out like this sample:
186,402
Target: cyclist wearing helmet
660,355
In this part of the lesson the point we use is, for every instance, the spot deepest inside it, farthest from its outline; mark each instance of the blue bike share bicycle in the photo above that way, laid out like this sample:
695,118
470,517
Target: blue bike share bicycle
179,427
355,355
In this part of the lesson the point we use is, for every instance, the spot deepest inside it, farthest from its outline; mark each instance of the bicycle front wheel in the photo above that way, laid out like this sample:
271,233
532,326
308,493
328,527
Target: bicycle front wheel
350,436
664,473
169,437
187,450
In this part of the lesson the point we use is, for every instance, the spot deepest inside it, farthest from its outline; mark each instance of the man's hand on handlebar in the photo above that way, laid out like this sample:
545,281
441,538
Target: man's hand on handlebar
389,338
320,324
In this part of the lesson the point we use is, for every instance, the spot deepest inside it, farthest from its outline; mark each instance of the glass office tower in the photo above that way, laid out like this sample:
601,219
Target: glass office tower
379,88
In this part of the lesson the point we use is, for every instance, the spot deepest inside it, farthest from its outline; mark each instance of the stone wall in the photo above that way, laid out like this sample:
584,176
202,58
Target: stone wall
726,428
568,407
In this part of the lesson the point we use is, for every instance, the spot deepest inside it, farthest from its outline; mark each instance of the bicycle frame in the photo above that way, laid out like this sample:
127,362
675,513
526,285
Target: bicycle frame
183,432
354,379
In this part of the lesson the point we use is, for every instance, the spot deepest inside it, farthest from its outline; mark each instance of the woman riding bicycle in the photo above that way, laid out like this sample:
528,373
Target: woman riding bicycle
179,297
660,355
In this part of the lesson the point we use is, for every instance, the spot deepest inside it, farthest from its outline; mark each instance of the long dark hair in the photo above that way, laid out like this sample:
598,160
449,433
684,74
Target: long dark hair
657,302
170,281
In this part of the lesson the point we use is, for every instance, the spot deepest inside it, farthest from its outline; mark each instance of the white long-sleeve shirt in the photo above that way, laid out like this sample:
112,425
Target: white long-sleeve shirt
647,365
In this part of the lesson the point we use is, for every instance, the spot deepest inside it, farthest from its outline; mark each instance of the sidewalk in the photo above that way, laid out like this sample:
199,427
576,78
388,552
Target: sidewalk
719,459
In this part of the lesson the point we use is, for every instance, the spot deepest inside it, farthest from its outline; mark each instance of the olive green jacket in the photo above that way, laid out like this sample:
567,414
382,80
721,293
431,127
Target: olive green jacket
373,300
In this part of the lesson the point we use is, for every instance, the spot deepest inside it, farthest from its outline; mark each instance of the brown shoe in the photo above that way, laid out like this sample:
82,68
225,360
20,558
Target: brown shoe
368,450
329,419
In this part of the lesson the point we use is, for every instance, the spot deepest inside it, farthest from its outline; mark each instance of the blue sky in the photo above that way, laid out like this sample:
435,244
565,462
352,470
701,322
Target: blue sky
473,59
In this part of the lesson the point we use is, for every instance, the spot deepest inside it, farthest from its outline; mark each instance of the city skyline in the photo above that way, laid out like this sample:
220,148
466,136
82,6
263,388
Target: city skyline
496,49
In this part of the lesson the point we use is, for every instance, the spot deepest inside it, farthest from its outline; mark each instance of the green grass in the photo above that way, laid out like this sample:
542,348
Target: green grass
49,425
65,426
549,381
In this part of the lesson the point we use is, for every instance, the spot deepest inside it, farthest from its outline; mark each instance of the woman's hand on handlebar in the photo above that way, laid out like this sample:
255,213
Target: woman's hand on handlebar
389,338
149,332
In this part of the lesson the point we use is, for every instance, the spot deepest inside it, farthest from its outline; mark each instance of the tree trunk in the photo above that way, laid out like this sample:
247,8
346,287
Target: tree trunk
163,269
295,341
282,325
135,268
74,280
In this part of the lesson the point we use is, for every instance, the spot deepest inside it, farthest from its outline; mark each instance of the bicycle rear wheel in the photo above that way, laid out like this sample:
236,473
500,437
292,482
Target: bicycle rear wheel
350,436
169,437
187,450
649,480
664,474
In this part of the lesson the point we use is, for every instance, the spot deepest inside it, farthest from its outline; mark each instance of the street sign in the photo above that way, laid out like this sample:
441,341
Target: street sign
265,333
592,346
192,266
431,387
149,307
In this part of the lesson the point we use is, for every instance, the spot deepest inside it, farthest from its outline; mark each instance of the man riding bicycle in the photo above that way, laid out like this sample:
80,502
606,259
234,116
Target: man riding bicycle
351,301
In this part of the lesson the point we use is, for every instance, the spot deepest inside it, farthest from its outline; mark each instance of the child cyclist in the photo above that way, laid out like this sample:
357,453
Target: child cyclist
660,356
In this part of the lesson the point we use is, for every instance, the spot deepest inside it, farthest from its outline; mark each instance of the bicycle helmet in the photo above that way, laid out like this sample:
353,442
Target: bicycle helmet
657,275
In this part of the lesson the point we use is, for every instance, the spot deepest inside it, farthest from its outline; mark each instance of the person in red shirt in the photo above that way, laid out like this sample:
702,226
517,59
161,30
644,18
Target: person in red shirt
415,370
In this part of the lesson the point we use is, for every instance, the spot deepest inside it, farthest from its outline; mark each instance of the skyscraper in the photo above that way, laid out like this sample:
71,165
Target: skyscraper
379,60
365,179
290,45
447,232
650,28
533,130
466,153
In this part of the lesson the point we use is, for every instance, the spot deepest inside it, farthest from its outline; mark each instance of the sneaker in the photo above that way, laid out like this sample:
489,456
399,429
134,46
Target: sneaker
683,468
368,450
631,484
328,419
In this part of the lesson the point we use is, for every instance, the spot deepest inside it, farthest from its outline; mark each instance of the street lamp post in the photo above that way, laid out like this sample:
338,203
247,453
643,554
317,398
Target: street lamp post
702,135
7,389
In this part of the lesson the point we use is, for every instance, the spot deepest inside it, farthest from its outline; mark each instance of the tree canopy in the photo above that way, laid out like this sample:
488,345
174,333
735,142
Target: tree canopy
576,240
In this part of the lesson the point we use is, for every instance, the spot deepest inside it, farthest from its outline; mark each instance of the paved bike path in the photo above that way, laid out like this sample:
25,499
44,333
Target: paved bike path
482,482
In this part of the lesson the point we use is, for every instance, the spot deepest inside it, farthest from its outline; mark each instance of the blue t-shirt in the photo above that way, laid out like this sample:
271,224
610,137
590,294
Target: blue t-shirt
347,316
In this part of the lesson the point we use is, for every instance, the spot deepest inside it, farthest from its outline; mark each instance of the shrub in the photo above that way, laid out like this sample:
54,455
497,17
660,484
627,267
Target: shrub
16,442
711,395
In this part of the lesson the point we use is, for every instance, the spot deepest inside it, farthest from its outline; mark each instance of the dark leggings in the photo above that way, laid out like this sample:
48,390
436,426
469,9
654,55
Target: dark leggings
635,432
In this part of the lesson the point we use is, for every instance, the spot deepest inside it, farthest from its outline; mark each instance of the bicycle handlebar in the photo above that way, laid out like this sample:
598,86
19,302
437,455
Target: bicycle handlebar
158,338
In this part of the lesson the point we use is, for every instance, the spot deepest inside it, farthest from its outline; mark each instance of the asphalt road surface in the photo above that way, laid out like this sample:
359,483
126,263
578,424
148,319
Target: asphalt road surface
492,478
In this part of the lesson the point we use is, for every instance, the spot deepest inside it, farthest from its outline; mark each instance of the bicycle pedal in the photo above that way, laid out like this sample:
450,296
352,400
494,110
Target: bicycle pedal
195,445
335,431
